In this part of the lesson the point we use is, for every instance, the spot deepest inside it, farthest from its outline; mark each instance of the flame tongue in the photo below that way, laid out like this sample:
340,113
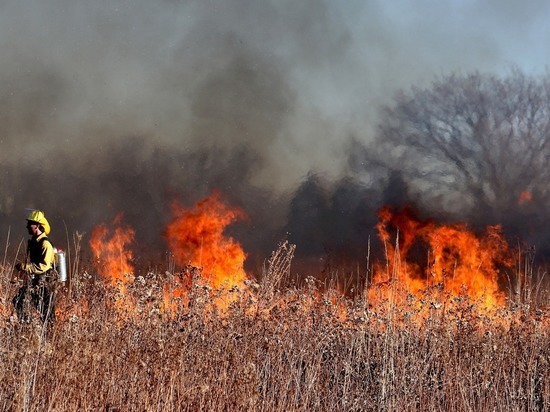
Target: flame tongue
196,236
112,254
524,198
113,257
458,261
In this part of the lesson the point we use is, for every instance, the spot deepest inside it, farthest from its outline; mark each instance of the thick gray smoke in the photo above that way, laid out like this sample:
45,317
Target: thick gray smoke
118,106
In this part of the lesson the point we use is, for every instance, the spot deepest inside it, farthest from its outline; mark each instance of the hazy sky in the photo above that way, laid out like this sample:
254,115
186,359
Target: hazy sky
313,72
92,91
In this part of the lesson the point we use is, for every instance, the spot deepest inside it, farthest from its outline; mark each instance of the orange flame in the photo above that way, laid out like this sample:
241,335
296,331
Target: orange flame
112,254
196,237
524,197
458,262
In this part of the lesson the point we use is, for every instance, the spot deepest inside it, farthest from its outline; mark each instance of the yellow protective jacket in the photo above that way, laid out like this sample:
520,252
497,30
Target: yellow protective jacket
40,255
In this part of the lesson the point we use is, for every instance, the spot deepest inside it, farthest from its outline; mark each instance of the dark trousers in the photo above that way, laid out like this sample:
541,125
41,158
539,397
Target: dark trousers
38,293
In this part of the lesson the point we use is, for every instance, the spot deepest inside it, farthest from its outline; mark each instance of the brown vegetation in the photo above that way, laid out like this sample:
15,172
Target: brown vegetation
274,348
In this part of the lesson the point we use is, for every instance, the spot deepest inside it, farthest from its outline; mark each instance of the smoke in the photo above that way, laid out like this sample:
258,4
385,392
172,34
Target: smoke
113,106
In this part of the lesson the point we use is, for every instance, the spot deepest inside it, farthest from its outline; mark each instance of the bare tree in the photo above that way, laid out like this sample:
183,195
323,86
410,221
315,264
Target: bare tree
473,145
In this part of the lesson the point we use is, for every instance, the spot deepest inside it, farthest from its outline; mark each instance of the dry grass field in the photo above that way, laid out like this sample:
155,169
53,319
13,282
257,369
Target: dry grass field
270,346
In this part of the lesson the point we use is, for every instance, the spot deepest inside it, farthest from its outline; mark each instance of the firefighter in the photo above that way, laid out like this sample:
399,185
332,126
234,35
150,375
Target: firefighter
38,272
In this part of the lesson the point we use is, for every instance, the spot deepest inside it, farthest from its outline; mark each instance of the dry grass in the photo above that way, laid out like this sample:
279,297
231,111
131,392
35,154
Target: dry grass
280,349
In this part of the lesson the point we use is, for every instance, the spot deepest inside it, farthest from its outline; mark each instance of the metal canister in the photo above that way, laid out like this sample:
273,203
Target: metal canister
61,265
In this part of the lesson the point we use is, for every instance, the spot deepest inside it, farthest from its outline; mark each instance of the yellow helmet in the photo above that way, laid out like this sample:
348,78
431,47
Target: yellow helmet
39,217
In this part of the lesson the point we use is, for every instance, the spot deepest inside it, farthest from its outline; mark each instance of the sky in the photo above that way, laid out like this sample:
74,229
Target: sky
127,105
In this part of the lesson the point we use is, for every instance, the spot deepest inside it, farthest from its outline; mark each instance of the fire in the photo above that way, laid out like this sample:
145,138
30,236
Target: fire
195,237
431,272
457,262
112,253
524,197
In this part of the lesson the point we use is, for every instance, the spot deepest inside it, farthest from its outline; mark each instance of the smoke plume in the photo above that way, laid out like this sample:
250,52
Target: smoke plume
116,106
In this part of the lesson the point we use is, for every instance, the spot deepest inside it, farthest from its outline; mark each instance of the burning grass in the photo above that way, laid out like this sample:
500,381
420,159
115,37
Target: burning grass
209,337
274,347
